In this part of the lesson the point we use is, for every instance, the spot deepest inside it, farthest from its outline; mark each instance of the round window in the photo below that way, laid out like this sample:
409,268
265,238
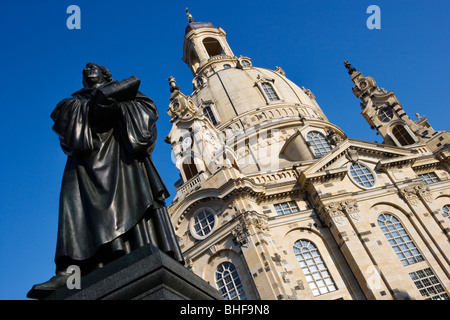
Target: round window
362,175
203,223
385,114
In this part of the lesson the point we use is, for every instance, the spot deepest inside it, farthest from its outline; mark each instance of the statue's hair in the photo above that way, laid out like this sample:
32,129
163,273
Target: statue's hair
106,73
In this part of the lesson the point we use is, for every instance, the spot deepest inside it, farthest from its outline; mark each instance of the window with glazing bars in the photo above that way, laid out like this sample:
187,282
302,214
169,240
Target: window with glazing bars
269,91
362,175
429,285
446,210
189,168
286,208
313,267
398,238
204,222
429,177
402,135
229,283
207,111
318,142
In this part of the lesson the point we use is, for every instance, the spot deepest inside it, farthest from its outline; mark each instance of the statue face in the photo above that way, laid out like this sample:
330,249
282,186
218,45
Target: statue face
92,76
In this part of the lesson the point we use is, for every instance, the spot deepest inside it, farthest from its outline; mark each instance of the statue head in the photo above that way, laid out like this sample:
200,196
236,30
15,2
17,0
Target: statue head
95,75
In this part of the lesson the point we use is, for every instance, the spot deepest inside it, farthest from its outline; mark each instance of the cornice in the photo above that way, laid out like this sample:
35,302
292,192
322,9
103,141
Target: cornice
386,164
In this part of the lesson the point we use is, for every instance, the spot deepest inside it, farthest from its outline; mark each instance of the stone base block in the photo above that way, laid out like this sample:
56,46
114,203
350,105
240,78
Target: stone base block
144,274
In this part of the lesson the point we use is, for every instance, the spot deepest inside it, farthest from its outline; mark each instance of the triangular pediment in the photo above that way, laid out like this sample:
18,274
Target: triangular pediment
357,150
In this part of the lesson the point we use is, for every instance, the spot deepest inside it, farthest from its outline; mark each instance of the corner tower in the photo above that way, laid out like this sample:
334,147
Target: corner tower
383,112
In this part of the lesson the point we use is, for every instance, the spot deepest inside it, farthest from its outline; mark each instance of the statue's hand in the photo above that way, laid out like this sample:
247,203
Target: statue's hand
110,103
102,102
98,98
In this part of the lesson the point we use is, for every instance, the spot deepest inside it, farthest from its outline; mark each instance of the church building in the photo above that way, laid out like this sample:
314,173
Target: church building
274,202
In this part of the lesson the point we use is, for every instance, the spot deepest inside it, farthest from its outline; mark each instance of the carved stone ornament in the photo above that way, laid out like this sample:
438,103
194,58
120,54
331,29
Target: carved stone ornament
280,71
332,137
352,155
309,93
190,265
181,106
240,234
365,83
424,192
258,220
409,195
336,211
332,208
350,207
332,211
247,219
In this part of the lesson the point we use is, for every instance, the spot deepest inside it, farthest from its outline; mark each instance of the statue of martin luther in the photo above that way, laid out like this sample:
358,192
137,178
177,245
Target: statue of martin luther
112,198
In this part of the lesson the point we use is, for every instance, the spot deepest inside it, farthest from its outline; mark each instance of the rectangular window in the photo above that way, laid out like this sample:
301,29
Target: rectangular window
429,177
286,208
269,91
429,285
210,115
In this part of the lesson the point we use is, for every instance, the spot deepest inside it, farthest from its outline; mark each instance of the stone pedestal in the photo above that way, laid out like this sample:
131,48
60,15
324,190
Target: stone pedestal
144,274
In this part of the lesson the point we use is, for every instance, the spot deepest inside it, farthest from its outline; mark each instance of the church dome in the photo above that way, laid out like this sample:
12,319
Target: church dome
237,91
261,120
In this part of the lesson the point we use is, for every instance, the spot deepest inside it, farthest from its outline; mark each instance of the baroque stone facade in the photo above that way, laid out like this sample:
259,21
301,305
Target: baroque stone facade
276,202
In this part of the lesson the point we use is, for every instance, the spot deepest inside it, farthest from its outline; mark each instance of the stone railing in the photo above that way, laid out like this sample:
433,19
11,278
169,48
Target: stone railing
276,177
192,184
270,115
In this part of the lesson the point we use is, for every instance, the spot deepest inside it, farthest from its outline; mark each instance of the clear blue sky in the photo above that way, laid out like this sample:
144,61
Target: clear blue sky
42,62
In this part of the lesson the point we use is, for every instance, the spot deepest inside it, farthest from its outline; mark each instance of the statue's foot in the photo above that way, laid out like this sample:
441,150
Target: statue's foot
43,290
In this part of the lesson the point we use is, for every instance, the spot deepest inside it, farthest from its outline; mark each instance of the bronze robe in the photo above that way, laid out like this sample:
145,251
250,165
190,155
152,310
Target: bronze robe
110,183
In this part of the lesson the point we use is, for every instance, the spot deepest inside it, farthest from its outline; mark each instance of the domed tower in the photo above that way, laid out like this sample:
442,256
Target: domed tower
237,140
252,118
384,113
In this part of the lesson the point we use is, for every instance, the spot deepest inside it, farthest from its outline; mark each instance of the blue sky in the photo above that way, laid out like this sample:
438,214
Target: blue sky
43,59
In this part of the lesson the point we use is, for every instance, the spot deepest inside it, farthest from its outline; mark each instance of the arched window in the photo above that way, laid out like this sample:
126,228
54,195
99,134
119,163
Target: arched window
446,210
229,283
246,63
204,222
189,169
398,238
362,175
194,60
385,114
313,267
207,111
318,142
402,135
269,91
213,47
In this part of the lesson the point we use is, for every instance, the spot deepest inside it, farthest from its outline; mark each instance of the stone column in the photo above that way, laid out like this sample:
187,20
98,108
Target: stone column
418,197
338,217
251,234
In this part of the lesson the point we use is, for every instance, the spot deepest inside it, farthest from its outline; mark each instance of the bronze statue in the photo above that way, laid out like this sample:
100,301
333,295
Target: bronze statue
112,198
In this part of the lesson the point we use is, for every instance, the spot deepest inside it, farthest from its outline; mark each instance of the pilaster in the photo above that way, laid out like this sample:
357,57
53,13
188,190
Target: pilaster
339,217
252,235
